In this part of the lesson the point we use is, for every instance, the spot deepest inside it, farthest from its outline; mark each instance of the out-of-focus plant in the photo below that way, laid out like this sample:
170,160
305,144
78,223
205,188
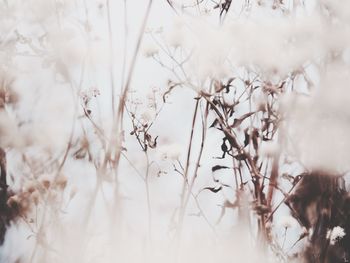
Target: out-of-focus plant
263,90
81,157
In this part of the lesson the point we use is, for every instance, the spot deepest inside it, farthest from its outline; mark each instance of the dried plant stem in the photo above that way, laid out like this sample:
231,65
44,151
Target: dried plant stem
111,56
274,172
124,47
188,186
197,165
185,174
273,179
115,144
148,199
119,118
115,141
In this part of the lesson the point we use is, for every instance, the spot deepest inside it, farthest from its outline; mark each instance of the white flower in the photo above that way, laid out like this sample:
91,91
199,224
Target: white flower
150,50
335,234
287,222
175,37
147,116
323,114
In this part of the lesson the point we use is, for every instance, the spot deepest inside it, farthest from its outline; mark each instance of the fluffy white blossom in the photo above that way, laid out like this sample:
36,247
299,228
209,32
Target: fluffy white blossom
147,116
319,123
149,50
177,35
335,234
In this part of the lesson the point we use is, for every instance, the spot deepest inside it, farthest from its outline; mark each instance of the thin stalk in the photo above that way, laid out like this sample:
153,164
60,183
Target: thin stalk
111,56
195,174
148,199
185,175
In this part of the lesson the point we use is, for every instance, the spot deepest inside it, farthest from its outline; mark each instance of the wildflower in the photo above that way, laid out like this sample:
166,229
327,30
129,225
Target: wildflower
150,50
176,36
175,39
147,116
335,234
94,92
